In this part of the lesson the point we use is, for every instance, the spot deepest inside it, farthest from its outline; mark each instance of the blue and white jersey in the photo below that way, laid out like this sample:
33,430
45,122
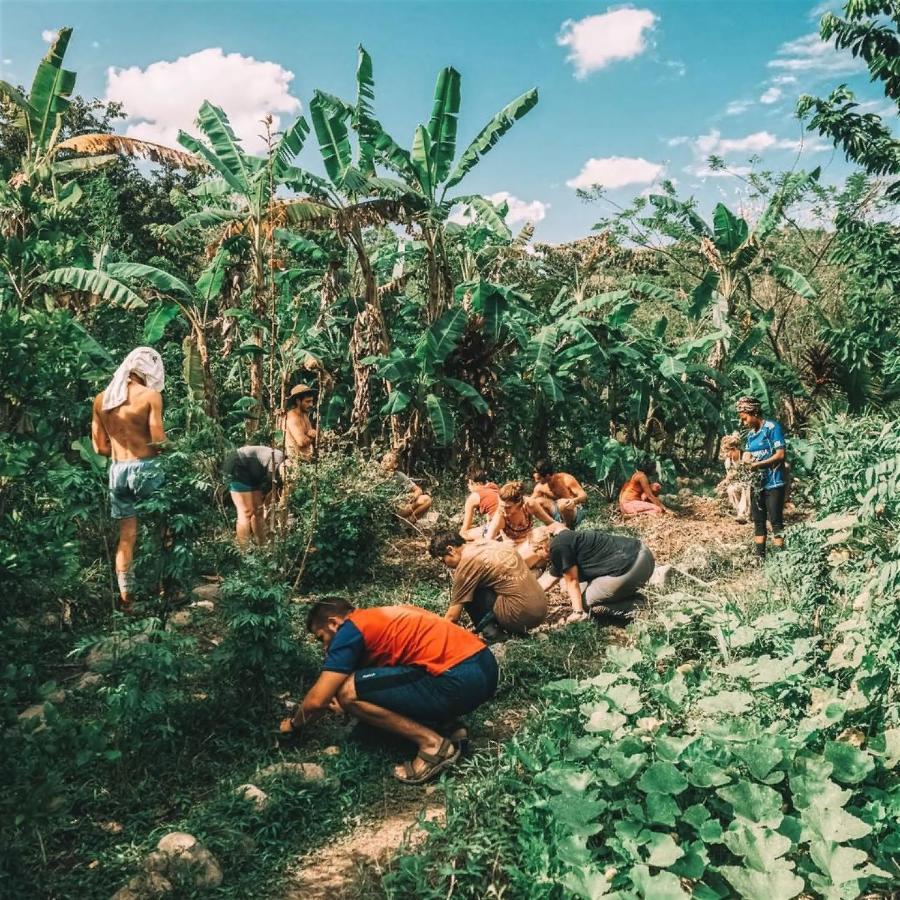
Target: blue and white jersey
762,444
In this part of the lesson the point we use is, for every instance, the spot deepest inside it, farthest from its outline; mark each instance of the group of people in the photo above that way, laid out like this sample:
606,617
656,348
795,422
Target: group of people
404,669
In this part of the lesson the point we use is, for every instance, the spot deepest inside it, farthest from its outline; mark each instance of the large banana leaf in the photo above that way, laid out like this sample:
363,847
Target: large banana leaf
442,337
238,185
209,284
192,368
159,278
158,319
289,146
600,302
397,401
702,294
301,246
487,215
792,280
491,133
392,154
755,383
729,231
215,125
541,349
470,394
206,218
307,183
330,124
83,164
441,419
364,113
443,123
50,90
211,189
94,281
649,289
421,160
794,185
551,388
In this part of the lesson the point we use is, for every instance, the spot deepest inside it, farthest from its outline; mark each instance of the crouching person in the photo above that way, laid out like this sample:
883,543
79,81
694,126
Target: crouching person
401,669
492,583
609,569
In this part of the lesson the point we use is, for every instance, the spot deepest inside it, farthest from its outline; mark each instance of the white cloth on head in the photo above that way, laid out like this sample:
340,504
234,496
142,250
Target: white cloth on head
143,361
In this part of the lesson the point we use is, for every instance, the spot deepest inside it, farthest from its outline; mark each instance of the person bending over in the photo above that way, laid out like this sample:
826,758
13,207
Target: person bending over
608,569
483,498
514,518
127,425
253,472
738,476
413,502
560,493
492,583
401,669
640,495
765,451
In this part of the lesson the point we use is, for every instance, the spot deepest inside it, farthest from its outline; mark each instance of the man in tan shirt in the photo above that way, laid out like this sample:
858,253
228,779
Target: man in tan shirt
127,425
492,582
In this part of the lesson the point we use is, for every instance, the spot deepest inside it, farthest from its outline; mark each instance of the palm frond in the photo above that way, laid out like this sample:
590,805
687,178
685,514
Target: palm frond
92,144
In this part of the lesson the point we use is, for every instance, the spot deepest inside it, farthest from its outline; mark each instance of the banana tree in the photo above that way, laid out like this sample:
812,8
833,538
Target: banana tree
35,199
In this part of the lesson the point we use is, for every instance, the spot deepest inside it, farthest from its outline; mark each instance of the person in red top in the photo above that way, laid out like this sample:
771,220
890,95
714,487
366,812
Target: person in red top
484,497
398,668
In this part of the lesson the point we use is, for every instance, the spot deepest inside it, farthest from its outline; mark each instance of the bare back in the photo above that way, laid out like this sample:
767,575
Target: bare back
563,486
130,428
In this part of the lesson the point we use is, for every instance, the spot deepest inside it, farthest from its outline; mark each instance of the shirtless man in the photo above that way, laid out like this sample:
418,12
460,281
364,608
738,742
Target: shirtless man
127,425
299,434
561,494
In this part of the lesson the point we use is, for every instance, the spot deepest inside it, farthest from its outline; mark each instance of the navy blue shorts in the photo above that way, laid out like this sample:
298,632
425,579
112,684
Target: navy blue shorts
412,692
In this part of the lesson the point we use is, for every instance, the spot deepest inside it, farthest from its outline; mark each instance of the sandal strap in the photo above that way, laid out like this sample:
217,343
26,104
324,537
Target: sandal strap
441,755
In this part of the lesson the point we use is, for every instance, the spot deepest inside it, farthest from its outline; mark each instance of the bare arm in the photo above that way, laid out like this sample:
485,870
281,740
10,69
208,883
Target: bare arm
318,698
547,580
157,432
296,428
574,485
472,502
497,522
773,460
99,437
454,611
573,588
644,482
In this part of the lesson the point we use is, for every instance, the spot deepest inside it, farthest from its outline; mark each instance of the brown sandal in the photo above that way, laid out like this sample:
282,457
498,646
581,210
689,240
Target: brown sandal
435,763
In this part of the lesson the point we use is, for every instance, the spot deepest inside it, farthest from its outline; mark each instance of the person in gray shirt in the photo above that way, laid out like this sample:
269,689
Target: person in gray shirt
253,473
601,571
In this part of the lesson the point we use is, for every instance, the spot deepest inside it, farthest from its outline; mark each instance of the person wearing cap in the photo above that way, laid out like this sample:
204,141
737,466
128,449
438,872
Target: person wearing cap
764,453
127,426
253,472
299,434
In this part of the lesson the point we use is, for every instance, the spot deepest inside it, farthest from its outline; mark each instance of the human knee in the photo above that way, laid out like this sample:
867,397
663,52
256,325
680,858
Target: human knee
346,695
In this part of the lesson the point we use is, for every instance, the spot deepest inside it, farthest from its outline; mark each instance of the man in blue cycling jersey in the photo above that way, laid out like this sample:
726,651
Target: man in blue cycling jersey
764,452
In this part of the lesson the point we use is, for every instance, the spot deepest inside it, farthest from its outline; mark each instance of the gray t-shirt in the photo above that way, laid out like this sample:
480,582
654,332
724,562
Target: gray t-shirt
596,553
256,466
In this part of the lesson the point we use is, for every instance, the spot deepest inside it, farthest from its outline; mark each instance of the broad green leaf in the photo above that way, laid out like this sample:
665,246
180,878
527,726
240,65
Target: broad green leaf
683,211
705,774
442,337
792,280
93,281
580,814
662,778
839,864
780,884
831,823
467,391
50,90
702,294
486,214
441,420
664,886
663,850
671,367
159,317
443,123
541,349
397,401
696,815
601,719
851,766
760,759
301,246
364,112
710,832
760,847
551,388
732,703
209,284
624,657
753,803
625,697
225,145
330,125
662,810
81,164
164,282
586,883
421,160
192,368
206,218
789,191
290,144
491,133
219,165
892,748
730,231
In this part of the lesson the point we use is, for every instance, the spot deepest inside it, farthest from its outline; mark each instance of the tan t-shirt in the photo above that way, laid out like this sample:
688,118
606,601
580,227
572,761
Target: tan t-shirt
521,602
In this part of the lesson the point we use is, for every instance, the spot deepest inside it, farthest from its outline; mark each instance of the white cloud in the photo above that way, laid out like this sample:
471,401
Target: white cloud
771,95
810,53
520,210
615,172
7,62
597,41
677,141
95,44
704,171
759,141
820,9
49,35
784,79
166,96
736,107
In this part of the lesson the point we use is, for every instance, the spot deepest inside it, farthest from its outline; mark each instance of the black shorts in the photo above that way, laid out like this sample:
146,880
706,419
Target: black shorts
412,692
768,504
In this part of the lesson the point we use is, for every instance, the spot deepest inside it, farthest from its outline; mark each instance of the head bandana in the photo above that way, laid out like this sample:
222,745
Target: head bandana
143,361
749,405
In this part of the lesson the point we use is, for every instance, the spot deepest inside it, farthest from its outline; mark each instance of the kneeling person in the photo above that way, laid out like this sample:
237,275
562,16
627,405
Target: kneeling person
398,668
615,567
492,583
413,502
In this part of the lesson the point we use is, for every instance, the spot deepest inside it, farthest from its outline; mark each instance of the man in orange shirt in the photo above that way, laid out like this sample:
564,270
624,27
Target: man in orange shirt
396,668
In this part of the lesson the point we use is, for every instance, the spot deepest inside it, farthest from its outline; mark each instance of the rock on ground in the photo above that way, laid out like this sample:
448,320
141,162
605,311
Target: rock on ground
252,794
312,772
208,592
88,680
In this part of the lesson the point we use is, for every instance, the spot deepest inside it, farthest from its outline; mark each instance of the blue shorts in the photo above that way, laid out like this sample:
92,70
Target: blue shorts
579,515
412,692
131,481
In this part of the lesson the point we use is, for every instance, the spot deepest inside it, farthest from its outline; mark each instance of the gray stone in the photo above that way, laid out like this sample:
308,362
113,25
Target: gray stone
176,842
307,771
205,605
206,591
253,794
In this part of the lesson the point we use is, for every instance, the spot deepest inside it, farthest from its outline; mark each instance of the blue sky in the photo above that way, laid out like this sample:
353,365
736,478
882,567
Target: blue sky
629,94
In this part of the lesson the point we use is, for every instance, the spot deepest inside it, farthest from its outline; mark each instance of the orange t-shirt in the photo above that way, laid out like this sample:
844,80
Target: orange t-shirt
488,498
631,490
399,636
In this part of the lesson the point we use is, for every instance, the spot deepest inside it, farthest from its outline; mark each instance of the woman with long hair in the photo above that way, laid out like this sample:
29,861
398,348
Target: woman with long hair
514,518
639,495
